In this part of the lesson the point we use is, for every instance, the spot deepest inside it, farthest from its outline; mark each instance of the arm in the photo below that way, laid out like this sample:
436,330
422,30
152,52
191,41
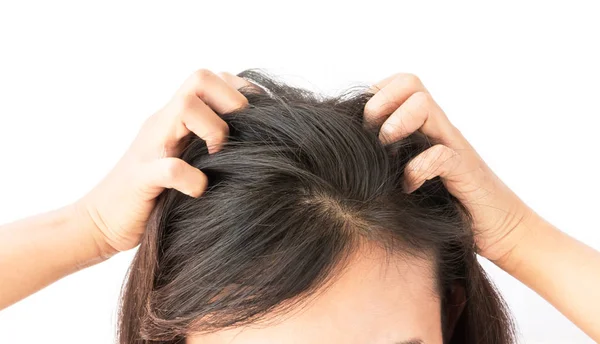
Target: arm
37,251
561,269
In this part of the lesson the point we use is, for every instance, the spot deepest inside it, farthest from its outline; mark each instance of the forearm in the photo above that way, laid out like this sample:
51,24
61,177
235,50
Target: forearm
561,269
37,251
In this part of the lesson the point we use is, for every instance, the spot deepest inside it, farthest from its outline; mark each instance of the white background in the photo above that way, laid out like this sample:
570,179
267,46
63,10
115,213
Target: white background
520,80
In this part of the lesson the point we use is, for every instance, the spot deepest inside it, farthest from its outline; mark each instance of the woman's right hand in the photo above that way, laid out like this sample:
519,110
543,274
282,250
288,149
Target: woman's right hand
117,209
404,105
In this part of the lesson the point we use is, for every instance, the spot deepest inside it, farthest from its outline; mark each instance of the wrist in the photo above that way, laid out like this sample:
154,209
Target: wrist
84,222
520,241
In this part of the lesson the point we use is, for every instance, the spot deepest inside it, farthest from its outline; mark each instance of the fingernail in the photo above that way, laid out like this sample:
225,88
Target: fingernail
214,148
406,188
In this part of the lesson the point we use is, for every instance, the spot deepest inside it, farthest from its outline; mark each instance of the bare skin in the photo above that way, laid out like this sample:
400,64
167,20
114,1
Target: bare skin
111,218
374,300
37,251
559,268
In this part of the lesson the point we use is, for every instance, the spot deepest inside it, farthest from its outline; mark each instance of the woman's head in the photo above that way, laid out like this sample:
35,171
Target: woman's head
305,236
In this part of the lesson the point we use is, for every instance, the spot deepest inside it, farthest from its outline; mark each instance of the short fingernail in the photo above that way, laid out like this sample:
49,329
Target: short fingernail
214,148
406,188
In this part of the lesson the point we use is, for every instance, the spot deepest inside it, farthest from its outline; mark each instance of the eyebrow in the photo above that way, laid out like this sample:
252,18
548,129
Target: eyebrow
411,341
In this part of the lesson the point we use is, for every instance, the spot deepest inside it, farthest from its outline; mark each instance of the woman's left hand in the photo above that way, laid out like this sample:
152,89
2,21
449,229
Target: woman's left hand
403,105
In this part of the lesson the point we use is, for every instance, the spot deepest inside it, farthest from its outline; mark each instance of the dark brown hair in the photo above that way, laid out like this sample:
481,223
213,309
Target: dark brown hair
301,181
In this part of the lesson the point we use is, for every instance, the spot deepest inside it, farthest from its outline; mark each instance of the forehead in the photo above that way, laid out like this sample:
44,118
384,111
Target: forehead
376,299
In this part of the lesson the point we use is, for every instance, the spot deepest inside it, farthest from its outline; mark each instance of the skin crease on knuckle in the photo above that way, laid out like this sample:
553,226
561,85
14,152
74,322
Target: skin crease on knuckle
304,235
411,85
172,171
412,81
200,81
443,155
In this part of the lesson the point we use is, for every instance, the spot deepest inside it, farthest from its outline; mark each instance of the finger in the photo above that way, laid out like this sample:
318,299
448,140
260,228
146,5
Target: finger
381,84
438,160
174,173
195,109
214,91
461,173
420,112
391,96
197,117
240,83
234,80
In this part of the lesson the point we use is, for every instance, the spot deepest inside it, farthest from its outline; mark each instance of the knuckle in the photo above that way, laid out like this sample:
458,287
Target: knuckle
173,169
202,75
199,79
411,79
224,75
444,152
182,103
385,105
220,134
422,98
416,165
239,103
440,148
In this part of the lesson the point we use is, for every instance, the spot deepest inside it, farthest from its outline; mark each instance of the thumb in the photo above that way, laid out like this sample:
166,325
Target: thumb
174,173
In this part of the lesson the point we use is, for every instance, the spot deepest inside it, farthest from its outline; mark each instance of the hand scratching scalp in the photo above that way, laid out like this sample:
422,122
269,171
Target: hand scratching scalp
301,181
